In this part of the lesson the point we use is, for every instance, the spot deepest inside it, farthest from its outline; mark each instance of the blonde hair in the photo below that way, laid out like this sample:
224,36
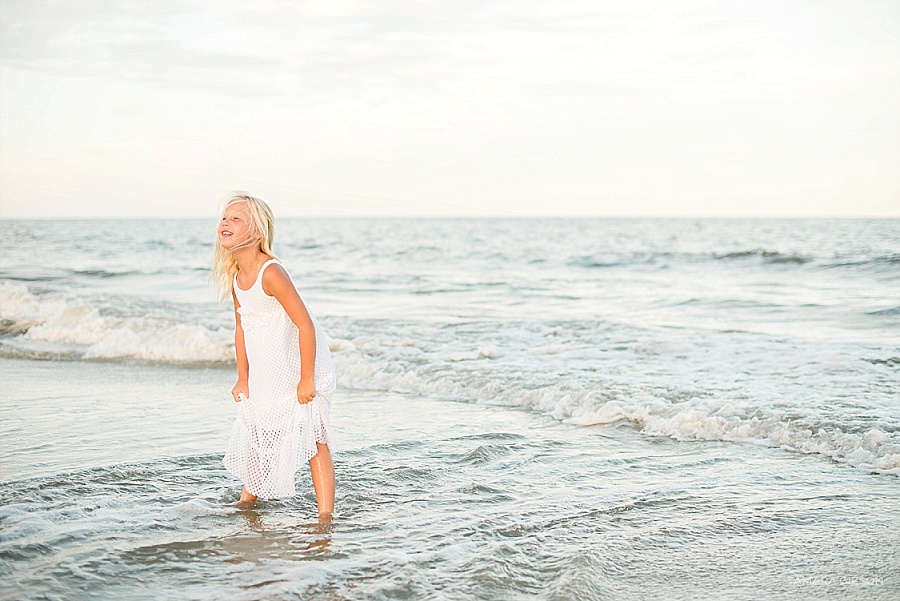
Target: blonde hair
262,231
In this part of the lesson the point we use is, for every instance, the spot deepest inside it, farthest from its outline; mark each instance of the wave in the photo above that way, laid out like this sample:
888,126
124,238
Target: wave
889,260
28,278
102,273
761,255
892,311
890,361
873,449
599,263
768,256
63,274
607,261
694,419
63,325
527,365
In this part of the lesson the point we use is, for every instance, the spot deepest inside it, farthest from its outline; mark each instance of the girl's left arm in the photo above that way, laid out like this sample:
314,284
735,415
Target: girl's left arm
277,283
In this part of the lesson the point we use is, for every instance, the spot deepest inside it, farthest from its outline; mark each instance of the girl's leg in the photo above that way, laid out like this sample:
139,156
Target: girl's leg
321,469
245,496
253,468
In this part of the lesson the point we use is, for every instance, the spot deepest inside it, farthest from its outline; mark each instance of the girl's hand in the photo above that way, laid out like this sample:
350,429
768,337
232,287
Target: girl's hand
240,387
306,391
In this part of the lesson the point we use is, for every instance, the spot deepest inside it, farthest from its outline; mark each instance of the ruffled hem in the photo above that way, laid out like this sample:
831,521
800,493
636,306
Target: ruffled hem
266,460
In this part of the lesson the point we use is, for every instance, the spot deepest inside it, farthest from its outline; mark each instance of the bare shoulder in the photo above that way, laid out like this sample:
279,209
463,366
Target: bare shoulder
275,270
276,280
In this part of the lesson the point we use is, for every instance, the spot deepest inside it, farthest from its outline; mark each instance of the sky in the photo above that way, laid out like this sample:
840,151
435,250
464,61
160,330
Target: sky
450,108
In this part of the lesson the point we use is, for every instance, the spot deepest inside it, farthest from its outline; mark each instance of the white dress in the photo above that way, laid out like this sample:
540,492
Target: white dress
274,434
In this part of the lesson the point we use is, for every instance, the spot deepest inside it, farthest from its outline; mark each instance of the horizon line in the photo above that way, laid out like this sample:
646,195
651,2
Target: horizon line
427,216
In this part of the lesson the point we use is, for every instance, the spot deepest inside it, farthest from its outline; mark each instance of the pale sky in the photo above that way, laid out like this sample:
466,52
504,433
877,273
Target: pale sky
556,107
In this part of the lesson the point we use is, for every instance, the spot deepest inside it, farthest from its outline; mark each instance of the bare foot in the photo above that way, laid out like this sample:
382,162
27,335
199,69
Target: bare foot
246,496
324,524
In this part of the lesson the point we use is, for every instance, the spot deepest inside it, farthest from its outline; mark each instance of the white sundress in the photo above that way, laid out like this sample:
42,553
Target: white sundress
274,434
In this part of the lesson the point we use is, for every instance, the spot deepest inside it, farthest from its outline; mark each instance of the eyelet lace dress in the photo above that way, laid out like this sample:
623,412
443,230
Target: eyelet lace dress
274,435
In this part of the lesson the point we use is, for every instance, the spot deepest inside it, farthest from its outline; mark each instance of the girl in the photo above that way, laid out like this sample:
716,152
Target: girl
285,373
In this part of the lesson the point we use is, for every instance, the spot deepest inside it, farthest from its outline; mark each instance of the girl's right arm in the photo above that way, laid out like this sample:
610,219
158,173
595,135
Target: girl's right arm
240,352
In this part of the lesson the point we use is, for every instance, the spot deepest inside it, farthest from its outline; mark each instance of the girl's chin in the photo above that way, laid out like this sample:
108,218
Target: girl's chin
234,243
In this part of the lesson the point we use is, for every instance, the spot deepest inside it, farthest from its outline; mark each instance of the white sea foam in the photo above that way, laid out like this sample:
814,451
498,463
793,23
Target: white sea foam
200,507
873,449
782,335
525,368
791,426
74,324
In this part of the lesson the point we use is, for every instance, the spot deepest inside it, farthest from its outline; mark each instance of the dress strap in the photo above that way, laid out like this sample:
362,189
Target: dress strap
259,275
263,268
267,263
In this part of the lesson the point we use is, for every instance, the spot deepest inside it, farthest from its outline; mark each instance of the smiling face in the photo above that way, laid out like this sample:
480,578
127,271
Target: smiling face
235,228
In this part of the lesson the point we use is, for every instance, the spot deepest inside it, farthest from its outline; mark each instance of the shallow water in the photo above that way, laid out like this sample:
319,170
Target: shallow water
551,409
777,332
435,499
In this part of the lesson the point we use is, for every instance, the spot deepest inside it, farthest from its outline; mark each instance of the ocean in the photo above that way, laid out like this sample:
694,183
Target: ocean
528,408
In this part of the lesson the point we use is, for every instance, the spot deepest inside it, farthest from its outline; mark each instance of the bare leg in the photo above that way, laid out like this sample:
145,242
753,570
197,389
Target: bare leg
253,468
246,496
321,469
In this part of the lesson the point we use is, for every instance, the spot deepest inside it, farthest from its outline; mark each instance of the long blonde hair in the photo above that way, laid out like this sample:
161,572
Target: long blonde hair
262,231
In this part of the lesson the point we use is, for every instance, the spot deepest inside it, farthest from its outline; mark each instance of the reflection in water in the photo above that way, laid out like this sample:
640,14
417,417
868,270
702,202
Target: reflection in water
305,541
249,513
322,530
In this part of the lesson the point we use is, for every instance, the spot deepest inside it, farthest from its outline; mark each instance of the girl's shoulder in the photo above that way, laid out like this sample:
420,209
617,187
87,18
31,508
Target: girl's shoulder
273,265
274,276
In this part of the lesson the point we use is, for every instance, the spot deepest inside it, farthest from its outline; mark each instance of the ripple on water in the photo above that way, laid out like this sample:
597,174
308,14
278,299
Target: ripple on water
552,513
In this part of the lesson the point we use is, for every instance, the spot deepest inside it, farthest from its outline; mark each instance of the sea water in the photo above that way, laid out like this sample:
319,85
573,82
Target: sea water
528,408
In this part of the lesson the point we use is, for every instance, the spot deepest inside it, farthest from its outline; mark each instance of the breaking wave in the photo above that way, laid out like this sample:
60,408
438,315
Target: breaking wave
60,324
515,364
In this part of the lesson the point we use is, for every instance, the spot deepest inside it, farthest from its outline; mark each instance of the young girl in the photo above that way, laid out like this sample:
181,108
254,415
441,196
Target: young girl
285,374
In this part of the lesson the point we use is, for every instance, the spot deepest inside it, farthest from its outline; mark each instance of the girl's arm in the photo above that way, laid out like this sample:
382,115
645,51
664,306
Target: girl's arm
240,353
277,283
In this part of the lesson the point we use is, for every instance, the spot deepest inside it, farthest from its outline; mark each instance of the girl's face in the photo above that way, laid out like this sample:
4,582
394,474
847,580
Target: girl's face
234,229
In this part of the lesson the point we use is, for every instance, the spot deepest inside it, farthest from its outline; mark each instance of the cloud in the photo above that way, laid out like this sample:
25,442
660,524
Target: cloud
387,51
487,99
